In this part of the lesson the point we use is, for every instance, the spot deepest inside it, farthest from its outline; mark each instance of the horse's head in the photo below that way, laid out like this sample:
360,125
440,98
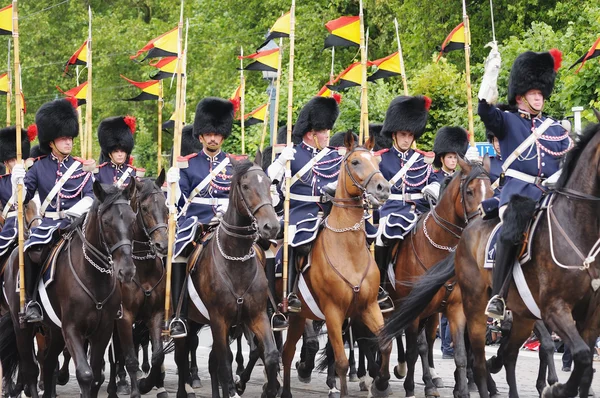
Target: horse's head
250,196
360,175
112,218
468,188
152,211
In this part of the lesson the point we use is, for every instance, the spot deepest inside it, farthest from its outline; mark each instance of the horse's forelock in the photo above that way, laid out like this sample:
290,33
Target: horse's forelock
146,188
573,156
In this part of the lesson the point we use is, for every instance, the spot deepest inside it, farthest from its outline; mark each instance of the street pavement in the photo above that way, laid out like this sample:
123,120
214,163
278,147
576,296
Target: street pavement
527,368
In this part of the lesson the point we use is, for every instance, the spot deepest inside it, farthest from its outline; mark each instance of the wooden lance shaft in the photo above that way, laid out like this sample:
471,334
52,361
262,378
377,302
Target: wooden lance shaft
88,101
364,112
242,101
288,179
277,90
18,125
468,75
9,91
159,135
173,186
264,131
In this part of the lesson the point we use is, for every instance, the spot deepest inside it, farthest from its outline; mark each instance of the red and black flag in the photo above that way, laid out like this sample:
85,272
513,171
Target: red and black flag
266,61
256,116
281,28
4,84
79,58
593,52
326,92
386,67
166,68
454,41
149,90
343,32
164,45
6,20
350,77
236,99
79,92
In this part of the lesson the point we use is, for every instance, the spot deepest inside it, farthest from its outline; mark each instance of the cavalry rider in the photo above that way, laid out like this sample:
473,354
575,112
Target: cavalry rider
496,160
203,192
64,187
115,135
449,144
8,197
313,165
530,84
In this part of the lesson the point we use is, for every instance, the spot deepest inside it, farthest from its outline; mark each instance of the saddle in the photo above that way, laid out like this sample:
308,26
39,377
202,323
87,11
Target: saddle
204,234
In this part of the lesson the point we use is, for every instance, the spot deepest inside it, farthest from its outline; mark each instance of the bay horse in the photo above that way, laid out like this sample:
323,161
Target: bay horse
343,277
229,278
434,237
84,294
143,298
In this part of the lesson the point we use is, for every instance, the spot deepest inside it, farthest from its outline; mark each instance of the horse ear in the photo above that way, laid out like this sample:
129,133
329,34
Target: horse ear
597,114
160,180
487,163
370,144
258,158
464,165
233,160
99,191
130,192
349,140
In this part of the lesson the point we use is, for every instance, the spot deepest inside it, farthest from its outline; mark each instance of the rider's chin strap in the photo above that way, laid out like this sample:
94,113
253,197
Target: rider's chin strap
532,110
317,145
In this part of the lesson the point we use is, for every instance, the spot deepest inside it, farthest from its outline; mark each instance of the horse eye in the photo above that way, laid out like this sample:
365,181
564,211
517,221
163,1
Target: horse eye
355,163
245,187
144,208
470,192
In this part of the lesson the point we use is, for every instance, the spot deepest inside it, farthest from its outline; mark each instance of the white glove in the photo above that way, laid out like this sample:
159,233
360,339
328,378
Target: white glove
17,176
330,188
432,191
488,90
275,196
221,210
551,181
80,208
472,155
173,175
275,170
288,153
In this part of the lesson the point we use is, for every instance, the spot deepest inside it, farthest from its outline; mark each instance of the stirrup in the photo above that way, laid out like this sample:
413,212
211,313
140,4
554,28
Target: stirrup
495,315
294,296
386,310
278,315
32,304
383,293
176,321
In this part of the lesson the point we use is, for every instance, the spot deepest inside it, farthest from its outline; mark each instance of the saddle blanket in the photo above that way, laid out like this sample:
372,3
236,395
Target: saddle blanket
195,297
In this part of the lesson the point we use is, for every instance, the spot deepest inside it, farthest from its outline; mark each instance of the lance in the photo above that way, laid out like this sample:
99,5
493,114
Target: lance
468,74
173,186
88,101
264,131
18,126
242,100
9,90
493,26
159,136
364,112
184,74
331,74
79,120
401,58
276,110
288,173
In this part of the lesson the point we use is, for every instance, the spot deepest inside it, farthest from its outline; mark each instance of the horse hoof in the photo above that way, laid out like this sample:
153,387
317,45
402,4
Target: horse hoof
365,383
431,393
438,382
123,388
493,366
548,392
240,387
190,391
353,378
196,382
146,368
162,393
400,370
334,393
62,378
145,386
473,387
375,393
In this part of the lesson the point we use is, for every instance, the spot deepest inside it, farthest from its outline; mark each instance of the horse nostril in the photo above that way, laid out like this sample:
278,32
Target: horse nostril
379,187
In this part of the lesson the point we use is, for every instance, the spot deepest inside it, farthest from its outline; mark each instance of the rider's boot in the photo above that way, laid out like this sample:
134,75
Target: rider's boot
279,321
294,304
506,253
178,325
33,310
382,259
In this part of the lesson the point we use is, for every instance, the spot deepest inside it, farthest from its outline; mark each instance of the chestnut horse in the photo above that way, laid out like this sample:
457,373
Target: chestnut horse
343,277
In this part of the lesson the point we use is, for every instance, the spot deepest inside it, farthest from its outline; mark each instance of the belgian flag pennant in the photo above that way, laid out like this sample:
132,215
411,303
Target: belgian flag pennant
166,68
6,20
266,61
149,90
593,52
281,28
236,99
350,77
4,83
164,45
326,92
256,116
169,124
79,92
79,58
387,67
343,32
454,41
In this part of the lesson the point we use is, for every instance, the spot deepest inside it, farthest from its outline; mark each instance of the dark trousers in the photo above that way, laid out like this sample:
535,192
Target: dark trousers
567,359
446,336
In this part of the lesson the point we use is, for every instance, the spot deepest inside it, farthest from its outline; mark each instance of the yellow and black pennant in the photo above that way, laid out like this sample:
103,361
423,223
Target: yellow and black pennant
166,68
6,20
4,83
454,41
350,77
149,90
79,92
281,28
343,32
79,58
593,52
164,45
266,61
256,116
386,67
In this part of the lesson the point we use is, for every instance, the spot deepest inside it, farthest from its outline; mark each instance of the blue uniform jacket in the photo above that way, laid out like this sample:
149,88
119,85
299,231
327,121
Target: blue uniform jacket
542,159
9,230
109,173
439,176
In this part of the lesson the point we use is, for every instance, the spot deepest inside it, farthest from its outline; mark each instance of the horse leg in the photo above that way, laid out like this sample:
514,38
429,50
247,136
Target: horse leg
400,369
430,332
239,357
50,360
334,331
351,360
145,356
63,372
546,353
125,333
111,389
457,322
97,350
520,331
260,326
219,330
289,348
184,390
154,377
213,365
310,347
412,353
373,320
76,345
193,342
255,354
423,347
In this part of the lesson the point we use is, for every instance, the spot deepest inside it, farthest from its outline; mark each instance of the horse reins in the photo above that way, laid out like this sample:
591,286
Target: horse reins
151,252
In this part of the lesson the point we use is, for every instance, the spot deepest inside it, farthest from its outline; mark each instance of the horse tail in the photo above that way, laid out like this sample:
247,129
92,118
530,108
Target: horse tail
419,298
327,358
9,354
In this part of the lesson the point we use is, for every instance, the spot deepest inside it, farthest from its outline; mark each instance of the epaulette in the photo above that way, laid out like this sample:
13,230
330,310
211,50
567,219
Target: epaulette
427,155
381,151
191,155
237,158
139,172
97,169
5,175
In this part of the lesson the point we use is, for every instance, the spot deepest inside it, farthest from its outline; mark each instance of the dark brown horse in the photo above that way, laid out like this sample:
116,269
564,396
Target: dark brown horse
143,298
435,237
229,279
84,294
343,277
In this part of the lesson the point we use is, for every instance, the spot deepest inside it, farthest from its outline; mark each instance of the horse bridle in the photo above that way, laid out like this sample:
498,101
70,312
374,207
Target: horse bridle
148,232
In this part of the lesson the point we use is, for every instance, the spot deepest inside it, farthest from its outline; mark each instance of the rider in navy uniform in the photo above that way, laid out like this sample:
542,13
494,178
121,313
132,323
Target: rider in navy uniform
496,160
8,199
64,187
115,135
449,144
200,200
530,84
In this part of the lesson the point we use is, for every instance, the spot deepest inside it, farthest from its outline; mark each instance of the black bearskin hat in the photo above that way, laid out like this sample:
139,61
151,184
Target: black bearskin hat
282,136
533,71
381,142
213,115
8,143
320,113
35,152
337,140
189,144
447,140
56,119
406,114
116,133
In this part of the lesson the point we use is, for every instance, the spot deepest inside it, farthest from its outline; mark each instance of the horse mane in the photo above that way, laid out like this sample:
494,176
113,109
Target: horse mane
476,170
112,195
239,169
574,154
147,188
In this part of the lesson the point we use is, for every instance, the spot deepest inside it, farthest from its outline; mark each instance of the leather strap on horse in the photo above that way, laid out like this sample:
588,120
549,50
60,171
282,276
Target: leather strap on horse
148,293
449,289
